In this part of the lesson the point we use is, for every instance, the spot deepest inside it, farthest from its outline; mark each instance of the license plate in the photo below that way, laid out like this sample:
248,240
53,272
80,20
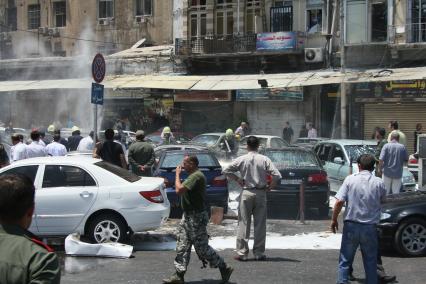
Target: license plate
291,181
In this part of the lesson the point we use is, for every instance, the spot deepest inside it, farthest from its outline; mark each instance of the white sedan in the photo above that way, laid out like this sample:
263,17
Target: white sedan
91,197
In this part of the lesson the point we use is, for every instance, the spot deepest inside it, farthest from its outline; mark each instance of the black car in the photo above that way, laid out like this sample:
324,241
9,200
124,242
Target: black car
217,187
403,223
298,165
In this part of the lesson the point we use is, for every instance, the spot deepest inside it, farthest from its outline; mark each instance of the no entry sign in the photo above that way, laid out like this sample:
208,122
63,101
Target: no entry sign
98,68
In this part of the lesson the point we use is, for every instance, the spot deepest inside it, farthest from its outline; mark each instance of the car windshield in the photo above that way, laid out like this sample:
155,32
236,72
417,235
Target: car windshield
124,174
172,160
154,138
292,159
207,140
354,151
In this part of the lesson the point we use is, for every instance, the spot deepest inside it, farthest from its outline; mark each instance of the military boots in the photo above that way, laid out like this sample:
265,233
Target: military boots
225,272
176,278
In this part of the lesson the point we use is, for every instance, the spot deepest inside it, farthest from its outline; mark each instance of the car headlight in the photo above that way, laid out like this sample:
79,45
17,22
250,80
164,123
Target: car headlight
384,216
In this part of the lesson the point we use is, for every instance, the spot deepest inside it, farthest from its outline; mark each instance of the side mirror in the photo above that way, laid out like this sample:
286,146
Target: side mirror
338,160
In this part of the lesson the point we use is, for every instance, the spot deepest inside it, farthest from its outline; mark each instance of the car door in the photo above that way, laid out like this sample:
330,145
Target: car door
31,172
67,193
338,165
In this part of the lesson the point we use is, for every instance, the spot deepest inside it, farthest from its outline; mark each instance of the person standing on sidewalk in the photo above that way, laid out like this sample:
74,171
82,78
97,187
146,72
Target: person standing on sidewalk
254,169
363,194
141,155
192,229
394,127
392,159
381,141
288,132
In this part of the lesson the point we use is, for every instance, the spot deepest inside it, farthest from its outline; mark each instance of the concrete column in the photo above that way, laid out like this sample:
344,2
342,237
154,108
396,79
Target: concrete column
343,110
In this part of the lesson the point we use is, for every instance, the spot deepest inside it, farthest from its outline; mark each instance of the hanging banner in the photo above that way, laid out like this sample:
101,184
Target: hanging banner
293,94
280,41
406,90
203,96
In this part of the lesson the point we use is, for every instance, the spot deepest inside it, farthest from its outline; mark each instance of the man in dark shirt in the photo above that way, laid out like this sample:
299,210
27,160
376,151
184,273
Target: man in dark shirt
110,151
381,141
288,132
193,227
141,155
74,140
4,158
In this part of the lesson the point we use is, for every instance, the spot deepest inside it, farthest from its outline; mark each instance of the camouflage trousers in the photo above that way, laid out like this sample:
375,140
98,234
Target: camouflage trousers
192,231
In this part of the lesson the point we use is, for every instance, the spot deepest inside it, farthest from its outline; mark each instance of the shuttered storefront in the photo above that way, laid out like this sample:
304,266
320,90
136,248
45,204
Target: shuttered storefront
408,115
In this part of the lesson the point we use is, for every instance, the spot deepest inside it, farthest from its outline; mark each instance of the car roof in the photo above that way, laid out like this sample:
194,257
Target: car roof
350,142
57,160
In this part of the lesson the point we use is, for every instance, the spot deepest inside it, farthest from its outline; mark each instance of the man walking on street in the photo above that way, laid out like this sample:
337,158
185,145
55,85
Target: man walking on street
87,143
23,258
141,155
110,151
19,150
253,168
74,139
36,149
391,164
288,132
192,229
363,194
394,127
381,141
55,148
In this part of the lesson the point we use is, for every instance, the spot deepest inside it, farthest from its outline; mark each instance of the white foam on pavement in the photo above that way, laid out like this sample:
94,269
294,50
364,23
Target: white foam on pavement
311,241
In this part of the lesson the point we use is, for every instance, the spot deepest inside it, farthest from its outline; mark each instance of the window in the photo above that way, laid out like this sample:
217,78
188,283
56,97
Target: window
198,16
379,21
292,159
282,19
172,160
66,176
11,16
277,143
33,16
252,12
118,171
224,17
314,20
143,7
105,9
418,21
337,153
197,3
281,3
59,10
323,151
29,171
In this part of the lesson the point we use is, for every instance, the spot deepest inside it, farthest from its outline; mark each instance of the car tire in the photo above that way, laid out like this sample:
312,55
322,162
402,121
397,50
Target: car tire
107,228
410,238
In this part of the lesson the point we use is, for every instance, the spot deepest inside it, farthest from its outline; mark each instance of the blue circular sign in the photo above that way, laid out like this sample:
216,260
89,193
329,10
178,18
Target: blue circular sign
98,68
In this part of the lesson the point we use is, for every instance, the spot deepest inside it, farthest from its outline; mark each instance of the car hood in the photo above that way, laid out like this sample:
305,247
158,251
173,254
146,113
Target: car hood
404,199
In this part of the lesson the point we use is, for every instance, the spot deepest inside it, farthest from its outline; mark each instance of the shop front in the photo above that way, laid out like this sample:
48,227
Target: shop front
381,102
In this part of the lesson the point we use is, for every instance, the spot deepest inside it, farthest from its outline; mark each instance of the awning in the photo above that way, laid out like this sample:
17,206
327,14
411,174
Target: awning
223,82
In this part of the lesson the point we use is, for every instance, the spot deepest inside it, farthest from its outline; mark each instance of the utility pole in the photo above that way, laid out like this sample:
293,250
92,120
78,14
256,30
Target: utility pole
343,95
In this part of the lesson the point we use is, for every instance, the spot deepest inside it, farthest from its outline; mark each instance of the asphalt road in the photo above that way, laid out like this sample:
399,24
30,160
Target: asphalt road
282,266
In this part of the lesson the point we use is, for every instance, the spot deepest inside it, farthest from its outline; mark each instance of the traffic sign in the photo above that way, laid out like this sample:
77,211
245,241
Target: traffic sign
97,94
98,68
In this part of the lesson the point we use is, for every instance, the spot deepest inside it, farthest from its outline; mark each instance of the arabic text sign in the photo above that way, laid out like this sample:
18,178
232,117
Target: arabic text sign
401,90
97,94
203,96
293,94
278,41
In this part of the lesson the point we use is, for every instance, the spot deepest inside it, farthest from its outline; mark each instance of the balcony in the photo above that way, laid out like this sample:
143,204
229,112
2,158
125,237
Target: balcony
279,42
408,34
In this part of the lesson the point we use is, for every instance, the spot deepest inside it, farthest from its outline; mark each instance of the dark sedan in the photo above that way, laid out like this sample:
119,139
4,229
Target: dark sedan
217,187
298,165
403,223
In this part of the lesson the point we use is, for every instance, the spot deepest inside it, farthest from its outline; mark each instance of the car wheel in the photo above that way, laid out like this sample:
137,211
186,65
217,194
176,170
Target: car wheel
107,228
410,238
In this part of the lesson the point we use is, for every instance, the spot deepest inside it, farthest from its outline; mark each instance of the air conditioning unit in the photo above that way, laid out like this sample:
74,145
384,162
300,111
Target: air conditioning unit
314,55
43,30
103,22
140,19
54,32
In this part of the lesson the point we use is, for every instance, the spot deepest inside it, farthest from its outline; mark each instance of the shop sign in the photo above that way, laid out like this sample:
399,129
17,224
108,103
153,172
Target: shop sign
293,94
280,41
203,96
407,90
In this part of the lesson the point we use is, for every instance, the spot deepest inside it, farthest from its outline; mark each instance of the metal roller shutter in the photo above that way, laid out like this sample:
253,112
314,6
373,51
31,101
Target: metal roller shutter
408,115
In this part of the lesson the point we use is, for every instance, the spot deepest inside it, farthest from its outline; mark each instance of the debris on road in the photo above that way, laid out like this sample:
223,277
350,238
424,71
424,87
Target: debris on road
75,247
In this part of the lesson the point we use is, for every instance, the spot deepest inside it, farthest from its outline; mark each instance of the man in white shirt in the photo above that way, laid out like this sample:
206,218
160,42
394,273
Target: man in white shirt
36,149
55,148
312,132
19,150
87,143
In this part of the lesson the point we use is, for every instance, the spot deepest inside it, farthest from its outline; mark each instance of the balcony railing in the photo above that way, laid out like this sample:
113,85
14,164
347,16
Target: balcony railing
216,45
411,33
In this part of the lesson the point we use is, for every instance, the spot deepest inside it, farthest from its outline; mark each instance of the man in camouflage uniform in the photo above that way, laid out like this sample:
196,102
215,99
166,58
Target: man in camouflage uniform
193,226
23,257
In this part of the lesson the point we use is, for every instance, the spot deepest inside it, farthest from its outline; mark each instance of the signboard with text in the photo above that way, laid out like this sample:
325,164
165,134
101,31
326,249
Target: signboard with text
406,90
97,94
293,94
280,41
203,96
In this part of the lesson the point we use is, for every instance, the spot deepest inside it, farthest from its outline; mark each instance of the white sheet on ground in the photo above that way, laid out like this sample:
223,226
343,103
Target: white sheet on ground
75,247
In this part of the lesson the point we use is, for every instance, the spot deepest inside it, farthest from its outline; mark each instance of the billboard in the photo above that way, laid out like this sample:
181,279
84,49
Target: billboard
280,41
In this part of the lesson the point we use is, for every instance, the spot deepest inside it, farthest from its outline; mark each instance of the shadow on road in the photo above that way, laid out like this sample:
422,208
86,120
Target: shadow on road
275,259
